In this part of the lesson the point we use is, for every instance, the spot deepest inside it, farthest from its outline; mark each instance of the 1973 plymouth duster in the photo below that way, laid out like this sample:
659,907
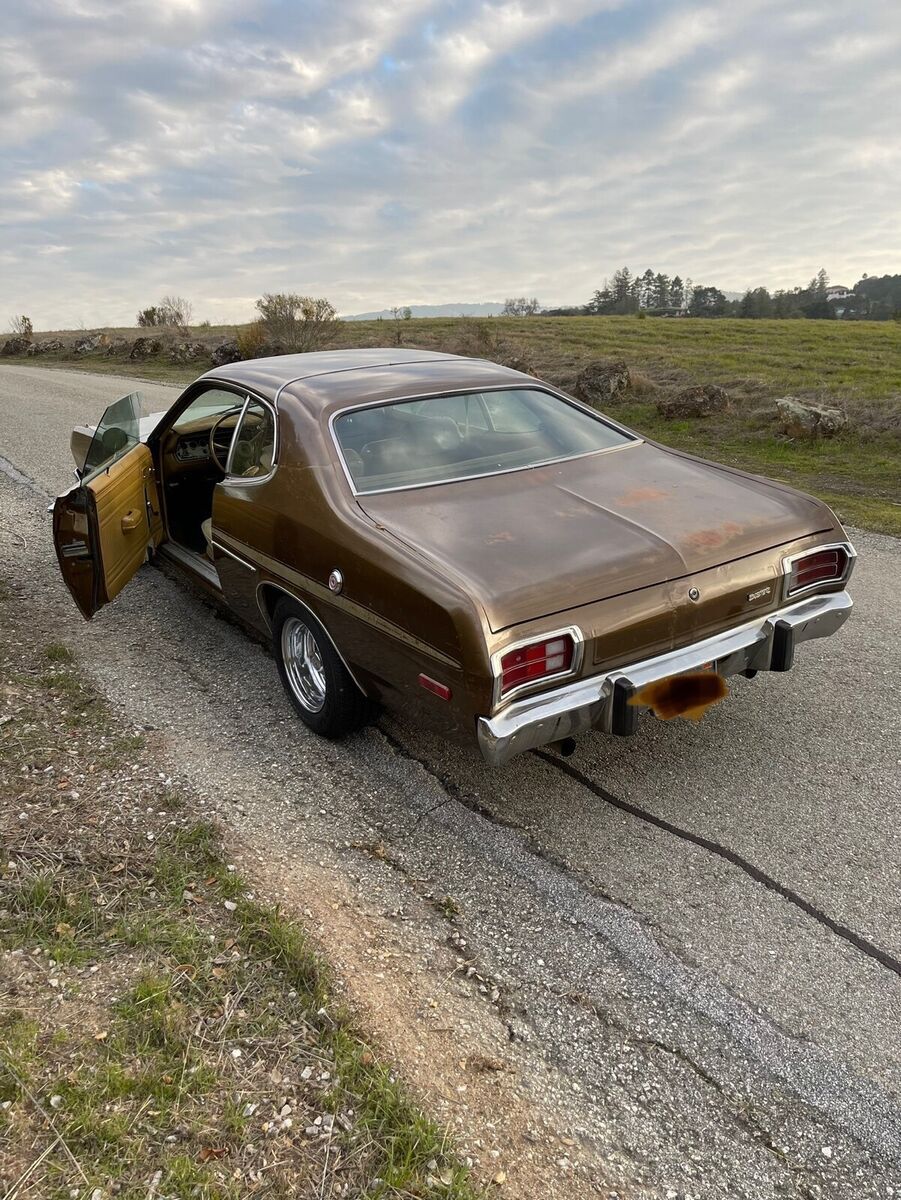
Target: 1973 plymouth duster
446,535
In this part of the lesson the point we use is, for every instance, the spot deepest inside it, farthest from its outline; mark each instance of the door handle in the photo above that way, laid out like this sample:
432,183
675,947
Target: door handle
131,520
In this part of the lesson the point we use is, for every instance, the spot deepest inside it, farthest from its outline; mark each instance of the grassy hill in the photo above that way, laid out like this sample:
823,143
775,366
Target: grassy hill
855,366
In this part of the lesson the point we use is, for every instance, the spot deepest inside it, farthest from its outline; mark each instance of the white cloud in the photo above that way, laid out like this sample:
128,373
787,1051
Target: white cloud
417,151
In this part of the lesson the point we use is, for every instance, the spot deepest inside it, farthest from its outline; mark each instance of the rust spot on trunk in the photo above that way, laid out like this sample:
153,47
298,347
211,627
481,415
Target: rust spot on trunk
706,539
641,495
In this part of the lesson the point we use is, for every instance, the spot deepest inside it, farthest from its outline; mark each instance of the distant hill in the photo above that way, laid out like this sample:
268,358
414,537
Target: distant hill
434,310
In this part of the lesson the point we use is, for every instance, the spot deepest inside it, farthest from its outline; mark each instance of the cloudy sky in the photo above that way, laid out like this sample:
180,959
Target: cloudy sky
382,152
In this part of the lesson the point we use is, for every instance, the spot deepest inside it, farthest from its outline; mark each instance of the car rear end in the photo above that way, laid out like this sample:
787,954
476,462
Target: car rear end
581,669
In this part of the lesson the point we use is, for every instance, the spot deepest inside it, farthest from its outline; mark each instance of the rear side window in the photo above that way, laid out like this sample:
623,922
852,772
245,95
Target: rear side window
416,443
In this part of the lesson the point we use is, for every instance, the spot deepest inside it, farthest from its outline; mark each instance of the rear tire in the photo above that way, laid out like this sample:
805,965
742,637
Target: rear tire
316,680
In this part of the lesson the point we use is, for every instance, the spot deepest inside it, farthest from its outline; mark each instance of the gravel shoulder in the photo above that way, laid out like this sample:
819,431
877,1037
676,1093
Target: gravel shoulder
665,1024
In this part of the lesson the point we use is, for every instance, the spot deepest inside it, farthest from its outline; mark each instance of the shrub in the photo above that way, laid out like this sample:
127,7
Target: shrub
174,311
251,339
399,315
299,323
22,327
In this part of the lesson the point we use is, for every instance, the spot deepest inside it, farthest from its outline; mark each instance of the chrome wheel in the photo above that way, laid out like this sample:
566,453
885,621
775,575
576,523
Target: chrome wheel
303,665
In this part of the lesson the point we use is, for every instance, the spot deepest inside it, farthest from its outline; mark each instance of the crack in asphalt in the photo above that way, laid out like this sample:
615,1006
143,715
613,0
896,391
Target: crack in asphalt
741,1113
857,940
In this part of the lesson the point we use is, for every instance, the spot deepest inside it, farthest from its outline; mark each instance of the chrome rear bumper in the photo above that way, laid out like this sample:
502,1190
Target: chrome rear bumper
602,701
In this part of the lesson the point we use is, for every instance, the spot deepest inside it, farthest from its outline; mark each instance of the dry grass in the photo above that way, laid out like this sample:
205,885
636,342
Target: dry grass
164,1033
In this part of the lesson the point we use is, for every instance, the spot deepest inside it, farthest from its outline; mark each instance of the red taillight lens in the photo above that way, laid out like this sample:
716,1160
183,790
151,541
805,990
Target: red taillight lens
536,661
820,566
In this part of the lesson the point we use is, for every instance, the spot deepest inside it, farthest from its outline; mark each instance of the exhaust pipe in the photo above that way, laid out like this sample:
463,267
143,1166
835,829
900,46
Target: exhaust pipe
565,747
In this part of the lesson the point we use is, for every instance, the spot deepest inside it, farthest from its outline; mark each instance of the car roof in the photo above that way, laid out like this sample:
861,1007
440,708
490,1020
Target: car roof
338,378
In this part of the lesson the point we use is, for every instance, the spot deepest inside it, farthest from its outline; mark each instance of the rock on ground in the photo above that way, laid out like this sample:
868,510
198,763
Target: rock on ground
188,352
602,381
798,420
145,347
694,402
226,352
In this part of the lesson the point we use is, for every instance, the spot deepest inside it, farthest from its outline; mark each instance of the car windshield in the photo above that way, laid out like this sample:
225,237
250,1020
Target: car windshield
415,443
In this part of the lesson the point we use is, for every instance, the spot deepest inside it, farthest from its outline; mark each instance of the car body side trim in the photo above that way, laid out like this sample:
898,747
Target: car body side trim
321,591
237,557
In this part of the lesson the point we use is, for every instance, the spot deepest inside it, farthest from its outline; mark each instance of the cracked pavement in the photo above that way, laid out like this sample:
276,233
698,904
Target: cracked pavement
696,1032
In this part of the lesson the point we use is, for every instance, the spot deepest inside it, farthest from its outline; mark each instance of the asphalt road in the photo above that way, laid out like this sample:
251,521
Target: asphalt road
697,929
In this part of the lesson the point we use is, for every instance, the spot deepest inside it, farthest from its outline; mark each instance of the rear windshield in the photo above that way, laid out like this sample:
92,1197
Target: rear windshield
419,442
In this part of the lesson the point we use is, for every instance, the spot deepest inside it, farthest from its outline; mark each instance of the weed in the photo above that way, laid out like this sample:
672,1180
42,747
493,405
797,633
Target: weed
57,652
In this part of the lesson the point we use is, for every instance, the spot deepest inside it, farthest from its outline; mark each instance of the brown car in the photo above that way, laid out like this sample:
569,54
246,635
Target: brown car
441,534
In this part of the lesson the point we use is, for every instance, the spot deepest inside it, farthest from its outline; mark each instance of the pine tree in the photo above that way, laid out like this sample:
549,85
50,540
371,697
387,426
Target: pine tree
646,289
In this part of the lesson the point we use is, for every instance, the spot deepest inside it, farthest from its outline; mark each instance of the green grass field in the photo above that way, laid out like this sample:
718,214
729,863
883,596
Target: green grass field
855,366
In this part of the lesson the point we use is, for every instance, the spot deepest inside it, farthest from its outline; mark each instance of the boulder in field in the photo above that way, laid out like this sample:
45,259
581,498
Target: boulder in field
15,345
145,347
188,352
698,401
808,421
602,382
226,352
50,346
91,343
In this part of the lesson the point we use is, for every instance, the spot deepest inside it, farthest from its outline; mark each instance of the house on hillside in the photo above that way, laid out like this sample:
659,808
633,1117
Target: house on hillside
840,298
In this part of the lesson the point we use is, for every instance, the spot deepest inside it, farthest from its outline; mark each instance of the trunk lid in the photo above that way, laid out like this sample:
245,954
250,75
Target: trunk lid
532,543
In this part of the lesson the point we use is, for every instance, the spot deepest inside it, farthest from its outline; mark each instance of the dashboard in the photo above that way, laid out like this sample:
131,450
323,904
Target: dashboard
193,448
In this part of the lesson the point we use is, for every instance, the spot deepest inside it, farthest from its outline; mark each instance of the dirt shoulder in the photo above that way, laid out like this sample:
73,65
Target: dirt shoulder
168,1020
164,1030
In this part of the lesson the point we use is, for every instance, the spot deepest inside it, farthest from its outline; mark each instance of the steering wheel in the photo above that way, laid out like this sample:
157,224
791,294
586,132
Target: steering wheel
214,449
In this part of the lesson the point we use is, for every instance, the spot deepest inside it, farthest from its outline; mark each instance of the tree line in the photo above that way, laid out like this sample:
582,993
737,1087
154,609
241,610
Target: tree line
872,298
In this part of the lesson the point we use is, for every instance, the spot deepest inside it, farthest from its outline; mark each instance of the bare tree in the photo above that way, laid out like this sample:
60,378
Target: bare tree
22,326
299,323
520,306
175,311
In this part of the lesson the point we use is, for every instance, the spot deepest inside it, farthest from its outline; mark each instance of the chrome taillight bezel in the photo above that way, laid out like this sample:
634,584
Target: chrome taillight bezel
500,699
788,564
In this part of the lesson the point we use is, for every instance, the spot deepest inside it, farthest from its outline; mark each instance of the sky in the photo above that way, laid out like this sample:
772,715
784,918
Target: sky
382,152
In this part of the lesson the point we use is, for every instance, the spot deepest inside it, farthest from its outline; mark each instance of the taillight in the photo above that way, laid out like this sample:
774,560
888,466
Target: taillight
526,664
819,566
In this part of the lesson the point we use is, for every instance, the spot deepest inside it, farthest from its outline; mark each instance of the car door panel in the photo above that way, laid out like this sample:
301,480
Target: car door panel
102,529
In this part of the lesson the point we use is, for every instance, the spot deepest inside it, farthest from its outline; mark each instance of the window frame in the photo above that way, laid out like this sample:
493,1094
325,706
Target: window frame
273,412
243,394
632,438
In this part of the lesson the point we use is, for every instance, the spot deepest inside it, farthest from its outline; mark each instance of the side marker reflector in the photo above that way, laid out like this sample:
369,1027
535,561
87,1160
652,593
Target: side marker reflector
441,690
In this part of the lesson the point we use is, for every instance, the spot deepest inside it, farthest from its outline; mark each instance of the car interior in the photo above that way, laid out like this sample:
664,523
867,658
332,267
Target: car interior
451,437
219,435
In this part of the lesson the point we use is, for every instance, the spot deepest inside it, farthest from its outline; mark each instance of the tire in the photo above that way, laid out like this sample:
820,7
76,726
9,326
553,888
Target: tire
316,680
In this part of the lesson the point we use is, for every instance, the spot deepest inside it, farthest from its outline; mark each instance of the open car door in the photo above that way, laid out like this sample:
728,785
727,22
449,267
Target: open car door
104,527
